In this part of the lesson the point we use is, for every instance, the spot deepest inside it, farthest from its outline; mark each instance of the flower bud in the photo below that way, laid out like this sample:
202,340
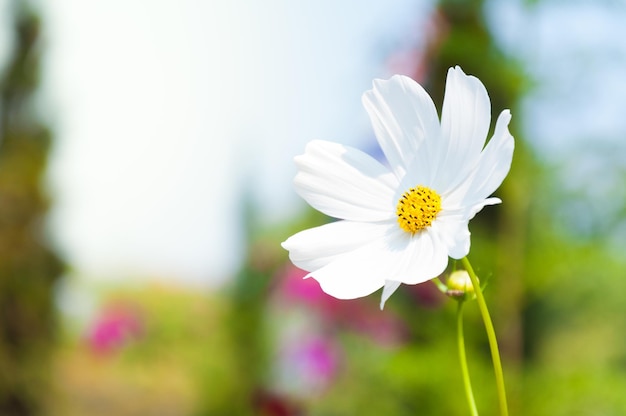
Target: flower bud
460,285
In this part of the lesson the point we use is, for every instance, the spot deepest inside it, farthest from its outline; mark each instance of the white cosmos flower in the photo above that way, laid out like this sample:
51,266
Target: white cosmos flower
400,225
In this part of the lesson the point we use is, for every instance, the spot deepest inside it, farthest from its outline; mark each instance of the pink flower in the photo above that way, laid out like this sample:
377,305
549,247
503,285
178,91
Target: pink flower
318,359
307,365
308,291
114,328
359,315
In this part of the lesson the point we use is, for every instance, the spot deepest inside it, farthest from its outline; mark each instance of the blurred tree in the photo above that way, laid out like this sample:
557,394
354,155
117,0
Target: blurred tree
28,269
242,391
462,37
549,296
556,297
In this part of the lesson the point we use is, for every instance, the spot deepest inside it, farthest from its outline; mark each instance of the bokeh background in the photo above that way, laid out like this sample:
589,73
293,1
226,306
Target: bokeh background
145,185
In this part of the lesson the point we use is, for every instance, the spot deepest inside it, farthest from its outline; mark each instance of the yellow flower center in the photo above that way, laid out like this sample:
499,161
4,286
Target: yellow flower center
418,208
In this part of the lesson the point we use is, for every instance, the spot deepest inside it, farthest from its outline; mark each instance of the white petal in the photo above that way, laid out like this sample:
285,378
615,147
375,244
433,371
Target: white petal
453,232
357,273
405,121
465,119
390,287
491,169
426,258
475,209
397,256
343,182
316,247
495,160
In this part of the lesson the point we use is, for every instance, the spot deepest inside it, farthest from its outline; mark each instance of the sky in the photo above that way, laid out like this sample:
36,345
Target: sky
573,116
167,113
575,54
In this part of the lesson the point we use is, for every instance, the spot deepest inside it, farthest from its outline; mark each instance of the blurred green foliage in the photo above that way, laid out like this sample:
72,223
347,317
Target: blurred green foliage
177,355
556,295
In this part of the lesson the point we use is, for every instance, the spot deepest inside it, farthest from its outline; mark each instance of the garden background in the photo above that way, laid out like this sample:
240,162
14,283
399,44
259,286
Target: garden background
145,165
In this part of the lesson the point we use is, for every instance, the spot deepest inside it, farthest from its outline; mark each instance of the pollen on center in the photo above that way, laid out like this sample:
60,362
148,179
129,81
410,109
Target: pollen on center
417,209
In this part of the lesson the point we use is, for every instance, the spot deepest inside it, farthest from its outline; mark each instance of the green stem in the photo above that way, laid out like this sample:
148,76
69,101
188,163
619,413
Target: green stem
442,287
491,335
466,378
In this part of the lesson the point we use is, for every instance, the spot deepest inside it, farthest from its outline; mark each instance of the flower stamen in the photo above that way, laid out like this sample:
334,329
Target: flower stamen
417,209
